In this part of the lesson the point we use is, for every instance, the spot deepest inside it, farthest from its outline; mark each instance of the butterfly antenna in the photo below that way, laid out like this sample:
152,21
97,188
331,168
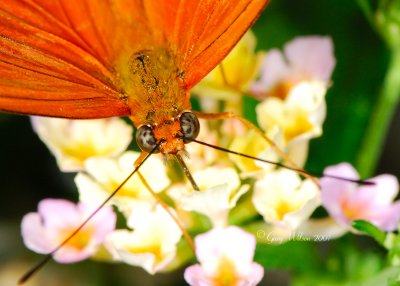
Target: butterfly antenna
300,171
49,256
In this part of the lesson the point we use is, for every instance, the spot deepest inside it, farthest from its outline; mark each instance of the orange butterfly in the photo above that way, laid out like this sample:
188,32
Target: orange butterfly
103,58
83,59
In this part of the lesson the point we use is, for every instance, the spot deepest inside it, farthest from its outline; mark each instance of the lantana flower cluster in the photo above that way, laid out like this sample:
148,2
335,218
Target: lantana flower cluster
235,191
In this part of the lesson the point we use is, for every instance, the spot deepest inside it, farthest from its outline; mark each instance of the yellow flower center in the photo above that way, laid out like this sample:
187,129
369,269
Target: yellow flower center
79,151
153,248
80,240
352,211
251,144
298,125
112,185
226,274
83,151
282,89
282,209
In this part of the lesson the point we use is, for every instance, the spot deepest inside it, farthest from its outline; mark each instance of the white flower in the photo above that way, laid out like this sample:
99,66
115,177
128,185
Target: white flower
74,141
284,200
253,144
293,85
219,191
299,116
226,258
104,175
152,243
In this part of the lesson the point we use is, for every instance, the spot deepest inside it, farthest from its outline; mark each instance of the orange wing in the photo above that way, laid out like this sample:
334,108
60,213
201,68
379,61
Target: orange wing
56,57
63,58
201,33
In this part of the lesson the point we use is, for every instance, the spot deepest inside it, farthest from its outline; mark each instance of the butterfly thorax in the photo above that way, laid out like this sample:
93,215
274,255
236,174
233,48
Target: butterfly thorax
156,96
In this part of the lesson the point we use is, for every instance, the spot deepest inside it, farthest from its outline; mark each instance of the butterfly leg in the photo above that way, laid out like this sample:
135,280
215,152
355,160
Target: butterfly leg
164,205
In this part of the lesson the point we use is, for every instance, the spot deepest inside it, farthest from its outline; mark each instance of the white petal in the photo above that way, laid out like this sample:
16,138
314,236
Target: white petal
282,198
74,141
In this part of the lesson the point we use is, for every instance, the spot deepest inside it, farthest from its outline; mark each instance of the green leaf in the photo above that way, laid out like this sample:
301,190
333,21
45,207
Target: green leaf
387,277
368,228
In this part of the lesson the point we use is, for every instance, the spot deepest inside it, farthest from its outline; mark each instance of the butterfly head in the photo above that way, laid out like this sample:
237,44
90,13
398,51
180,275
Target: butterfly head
171,134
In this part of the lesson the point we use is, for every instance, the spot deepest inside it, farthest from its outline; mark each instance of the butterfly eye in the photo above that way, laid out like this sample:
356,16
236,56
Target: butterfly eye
190,126
145,139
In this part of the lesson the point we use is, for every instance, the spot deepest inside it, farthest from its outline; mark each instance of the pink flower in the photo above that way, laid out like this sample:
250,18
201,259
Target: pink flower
303,59
226,258
56,219
346,201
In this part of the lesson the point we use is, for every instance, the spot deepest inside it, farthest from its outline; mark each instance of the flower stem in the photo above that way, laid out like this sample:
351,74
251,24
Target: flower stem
383,112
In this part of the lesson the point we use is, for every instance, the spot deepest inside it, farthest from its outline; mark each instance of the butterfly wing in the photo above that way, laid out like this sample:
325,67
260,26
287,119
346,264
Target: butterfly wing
202,33
56,57
65,58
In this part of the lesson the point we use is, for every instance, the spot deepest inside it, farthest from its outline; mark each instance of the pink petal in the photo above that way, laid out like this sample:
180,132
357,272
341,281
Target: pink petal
34,235
103,221
369,202
345,170
44,231
274,69
102,224
224,243
312,56
195,276
384,191
334,192
57,213
68,255
386,218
